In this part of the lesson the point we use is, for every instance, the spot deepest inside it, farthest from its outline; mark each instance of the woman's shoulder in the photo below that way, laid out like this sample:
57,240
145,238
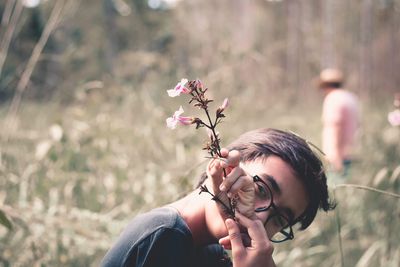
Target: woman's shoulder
149,237
158,219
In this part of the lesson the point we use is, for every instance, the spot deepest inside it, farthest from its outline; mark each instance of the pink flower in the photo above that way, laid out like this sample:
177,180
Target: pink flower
225,104
394,117
177,118
180,88
221,109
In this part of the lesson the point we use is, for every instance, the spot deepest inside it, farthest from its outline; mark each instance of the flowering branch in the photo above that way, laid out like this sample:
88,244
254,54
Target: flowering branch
196,90
229,210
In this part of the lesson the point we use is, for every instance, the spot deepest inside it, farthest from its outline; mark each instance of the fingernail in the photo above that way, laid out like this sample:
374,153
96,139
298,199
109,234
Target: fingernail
222,187
229,222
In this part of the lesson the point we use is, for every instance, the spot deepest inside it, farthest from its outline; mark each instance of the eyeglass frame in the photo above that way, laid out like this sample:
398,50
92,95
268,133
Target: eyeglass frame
290,235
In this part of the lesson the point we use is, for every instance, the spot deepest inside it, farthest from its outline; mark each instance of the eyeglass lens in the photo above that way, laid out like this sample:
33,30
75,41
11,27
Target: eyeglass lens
276,222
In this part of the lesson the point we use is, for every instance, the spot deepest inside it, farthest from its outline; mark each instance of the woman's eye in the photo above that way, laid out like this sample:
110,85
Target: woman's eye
262,191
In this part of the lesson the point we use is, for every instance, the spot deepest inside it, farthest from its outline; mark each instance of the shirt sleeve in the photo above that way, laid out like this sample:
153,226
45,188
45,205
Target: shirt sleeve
166,247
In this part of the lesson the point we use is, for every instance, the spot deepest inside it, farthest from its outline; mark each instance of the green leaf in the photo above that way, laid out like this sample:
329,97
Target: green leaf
4,220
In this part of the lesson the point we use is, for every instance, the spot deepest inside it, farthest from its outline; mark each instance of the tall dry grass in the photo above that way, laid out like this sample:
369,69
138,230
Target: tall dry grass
76,169
75,174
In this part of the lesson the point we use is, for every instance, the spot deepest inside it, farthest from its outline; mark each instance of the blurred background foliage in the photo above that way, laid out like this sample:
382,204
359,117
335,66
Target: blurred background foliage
84,145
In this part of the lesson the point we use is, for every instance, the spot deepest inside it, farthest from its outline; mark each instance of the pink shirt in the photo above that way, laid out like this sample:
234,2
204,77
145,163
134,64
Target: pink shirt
340,116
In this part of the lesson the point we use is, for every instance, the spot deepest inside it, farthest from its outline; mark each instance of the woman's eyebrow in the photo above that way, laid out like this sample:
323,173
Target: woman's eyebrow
272,182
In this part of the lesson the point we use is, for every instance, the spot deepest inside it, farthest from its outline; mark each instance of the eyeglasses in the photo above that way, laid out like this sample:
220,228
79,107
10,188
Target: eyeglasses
276,221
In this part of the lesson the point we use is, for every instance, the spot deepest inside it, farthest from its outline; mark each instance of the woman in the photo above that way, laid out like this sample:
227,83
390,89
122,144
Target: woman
275,180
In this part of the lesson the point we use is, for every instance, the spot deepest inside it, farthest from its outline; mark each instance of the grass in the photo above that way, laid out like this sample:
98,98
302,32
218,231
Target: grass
68,196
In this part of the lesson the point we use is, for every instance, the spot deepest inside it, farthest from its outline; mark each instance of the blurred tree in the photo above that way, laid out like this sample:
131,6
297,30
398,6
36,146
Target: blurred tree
293,42
271,44
110,34
366,32
21,32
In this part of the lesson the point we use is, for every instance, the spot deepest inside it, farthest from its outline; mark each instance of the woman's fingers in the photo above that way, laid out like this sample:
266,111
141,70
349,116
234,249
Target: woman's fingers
255,228
228,161
232,158
231,179
224,152
215,171
234,236
259,251
237,183
225,242
219,167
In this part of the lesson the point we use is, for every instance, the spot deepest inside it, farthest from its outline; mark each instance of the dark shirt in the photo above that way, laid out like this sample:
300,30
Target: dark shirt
162,238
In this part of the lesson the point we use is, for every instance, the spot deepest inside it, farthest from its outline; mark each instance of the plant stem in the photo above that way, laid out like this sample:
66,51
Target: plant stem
338,224
369,189
211,126
337,214
228,210
231,208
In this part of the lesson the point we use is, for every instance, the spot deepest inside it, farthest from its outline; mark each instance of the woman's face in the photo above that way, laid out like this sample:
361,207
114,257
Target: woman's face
289,194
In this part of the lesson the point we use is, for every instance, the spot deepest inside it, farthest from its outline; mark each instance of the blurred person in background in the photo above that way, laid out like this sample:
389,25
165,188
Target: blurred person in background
340,118
275,179
394,116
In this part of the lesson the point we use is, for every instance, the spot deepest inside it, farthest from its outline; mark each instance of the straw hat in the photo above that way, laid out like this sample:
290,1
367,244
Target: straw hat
328,76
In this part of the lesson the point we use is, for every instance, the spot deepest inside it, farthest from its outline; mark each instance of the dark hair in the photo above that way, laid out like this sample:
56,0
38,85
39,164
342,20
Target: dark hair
331,85
295,151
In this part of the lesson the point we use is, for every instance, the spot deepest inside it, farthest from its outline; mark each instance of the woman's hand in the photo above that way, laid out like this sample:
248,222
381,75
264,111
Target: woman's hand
250,248
236,185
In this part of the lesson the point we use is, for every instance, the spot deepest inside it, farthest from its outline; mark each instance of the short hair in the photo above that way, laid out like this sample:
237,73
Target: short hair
296,152
334,85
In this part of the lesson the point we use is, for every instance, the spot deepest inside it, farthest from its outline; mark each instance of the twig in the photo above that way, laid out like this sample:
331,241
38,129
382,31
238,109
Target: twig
26,75
228,210
11,18
339,228
7,13
368,188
